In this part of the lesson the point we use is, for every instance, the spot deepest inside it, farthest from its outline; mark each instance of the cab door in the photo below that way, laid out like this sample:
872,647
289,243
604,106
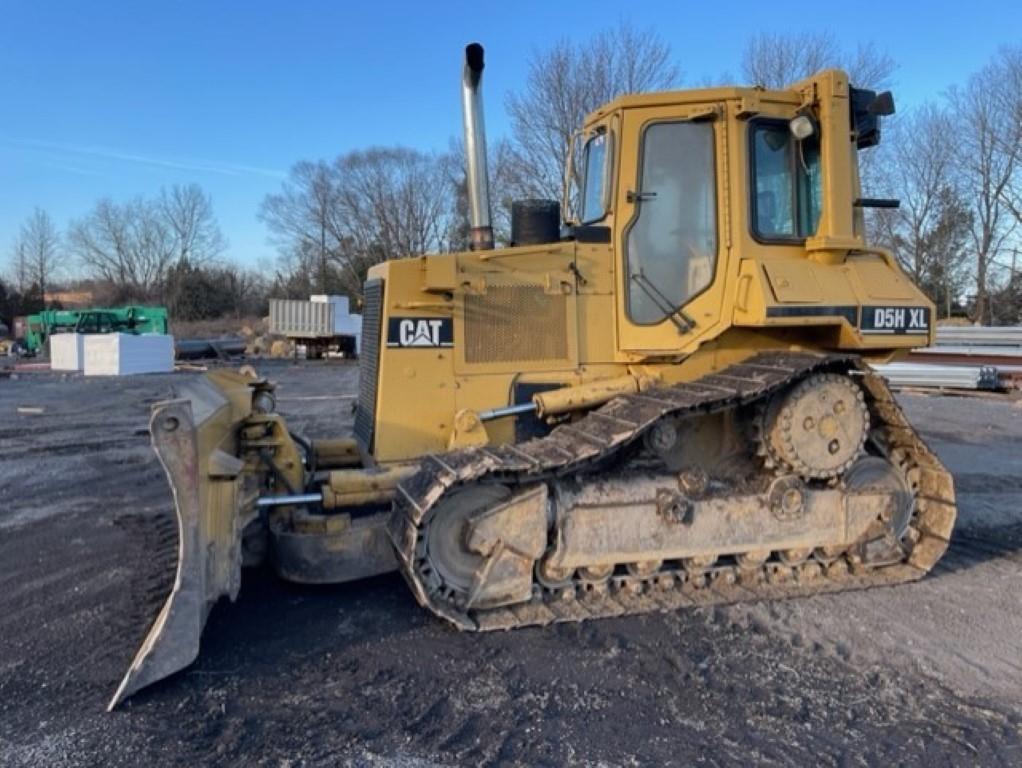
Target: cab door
670,228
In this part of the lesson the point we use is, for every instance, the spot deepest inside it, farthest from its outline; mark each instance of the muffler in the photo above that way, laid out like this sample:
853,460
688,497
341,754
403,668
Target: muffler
475,149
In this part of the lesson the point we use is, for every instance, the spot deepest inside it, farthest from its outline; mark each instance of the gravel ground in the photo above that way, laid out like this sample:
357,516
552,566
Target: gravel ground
925,674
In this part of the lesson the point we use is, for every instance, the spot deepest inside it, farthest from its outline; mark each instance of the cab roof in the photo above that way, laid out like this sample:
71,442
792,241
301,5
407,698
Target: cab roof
791,96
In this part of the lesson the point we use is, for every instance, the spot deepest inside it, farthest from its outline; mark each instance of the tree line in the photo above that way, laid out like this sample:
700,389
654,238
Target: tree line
955,163
166,249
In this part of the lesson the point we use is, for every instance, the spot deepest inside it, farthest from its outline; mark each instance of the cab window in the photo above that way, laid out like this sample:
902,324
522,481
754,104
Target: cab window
594,186
786,183
671,245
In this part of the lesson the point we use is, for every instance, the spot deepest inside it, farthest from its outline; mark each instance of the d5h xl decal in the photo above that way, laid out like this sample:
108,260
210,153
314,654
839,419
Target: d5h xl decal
895,320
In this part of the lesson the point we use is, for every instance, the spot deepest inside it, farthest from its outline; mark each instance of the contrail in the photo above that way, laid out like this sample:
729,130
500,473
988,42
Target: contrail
106,153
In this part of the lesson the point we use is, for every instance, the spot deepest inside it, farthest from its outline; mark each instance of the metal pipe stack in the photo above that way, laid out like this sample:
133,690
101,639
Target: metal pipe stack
928,375
980,336
975,349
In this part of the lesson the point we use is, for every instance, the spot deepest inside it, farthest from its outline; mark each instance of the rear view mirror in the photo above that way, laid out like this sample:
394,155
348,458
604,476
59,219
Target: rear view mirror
867,107
882,105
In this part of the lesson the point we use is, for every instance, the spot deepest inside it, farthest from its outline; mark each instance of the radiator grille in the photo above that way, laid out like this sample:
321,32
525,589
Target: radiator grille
515,323
369,365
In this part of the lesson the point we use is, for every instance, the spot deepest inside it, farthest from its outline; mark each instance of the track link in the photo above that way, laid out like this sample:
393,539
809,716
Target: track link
602,436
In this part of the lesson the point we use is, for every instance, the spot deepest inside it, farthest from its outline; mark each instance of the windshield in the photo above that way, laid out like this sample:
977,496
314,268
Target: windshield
594,205
787,183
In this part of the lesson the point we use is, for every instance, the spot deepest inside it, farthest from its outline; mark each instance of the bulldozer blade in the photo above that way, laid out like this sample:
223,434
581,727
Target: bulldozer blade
173,641
205,480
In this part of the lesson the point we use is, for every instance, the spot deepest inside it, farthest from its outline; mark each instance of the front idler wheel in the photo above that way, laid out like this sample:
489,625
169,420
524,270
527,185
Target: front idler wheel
446,537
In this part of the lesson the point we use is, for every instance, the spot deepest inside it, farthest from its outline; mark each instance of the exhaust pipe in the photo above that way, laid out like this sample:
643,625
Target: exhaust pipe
475,149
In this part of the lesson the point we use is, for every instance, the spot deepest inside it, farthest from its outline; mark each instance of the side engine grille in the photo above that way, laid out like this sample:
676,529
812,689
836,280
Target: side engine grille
513,323
369,364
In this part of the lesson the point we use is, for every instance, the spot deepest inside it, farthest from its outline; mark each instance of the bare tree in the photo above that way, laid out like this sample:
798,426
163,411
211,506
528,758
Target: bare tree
100,242
299,218
948,274
188,212
564,84
988,153
130,246
391,203
295,273
777,60
36,252
21,268
1009,66
368,206
928,232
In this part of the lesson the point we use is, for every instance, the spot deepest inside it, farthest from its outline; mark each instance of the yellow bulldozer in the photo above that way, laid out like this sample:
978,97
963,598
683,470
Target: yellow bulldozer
662,398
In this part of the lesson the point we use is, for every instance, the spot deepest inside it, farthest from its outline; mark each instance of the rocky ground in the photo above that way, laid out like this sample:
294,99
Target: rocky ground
925,674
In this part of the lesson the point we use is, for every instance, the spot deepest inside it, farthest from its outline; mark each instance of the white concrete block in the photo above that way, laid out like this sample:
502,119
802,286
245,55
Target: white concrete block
123,354
67,351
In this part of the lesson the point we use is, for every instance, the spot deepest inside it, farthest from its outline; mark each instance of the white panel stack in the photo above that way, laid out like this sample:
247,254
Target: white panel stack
122,354
67,351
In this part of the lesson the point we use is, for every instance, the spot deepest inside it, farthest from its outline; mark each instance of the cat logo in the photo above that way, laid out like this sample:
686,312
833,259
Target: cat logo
420,332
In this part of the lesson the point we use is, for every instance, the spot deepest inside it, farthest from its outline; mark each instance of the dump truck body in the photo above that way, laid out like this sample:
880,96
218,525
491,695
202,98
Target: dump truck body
323,324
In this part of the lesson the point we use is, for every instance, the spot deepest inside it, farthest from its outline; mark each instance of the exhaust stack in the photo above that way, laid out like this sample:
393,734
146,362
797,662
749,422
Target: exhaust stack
475,149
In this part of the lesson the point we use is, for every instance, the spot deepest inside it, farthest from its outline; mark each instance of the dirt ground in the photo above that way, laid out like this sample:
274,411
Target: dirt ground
925,674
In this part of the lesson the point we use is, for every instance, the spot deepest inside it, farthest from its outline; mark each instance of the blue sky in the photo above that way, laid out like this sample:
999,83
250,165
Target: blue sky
118,99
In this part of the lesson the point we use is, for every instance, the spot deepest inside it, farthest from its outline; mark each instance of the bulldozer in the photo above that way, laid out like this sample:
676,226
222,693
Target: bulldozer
659,395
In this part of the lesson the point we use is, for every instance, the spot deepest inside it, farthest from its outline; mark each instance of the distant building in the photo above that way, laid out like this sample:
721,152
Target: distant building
69,299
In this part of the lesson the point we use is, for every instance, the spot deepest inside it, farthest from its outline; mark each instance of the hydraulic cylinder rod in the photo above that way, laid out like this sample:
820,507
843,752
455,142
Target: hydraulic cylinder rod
295,499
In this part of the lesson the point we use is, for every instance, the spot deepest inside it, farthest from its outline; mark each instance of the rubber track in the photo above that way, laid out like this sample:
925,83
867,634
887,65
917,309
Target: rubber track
603,435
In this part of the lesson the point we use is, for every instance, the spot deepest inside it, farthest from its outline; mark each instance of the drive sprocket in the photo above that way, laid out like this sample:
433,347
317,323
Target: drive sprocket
816,429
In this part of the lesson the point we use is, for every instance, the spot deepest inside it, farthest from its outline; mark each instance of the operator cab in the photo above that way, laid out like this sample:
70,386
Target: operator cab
687,184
